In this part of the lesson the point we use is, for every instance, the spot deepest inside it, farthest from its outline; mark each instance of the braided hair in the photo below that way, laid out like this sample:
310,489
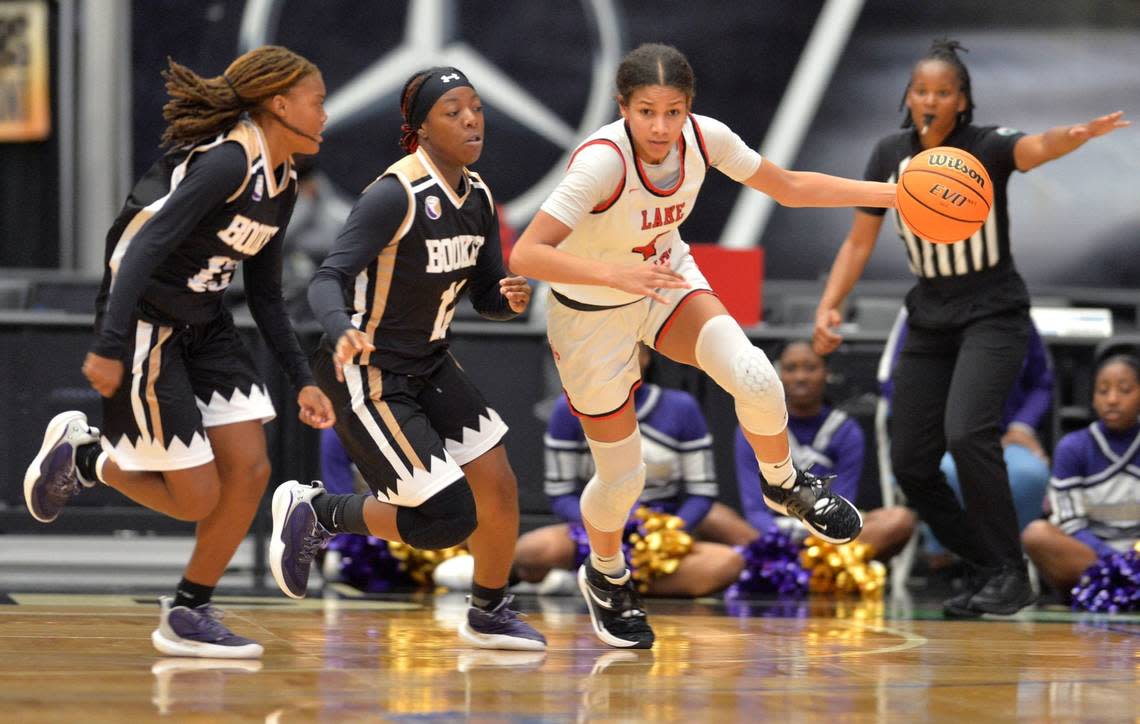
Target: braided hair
201,108
945,50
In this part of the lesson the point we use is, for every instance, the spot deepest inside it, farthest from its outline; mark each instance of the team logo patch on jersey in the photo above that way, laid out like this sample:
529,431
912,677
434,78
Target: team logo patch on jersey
432,207
1006,131
258,188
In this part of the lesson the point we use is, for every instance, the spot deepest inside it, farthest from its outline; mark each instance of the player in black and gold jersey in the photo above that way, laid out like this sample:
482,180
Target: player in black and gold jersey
182,433
421,434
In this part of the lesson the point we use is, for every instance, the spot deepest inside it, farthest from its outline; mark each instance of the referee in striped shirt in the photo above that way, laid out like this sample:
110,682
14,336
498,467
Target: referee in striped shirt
969,326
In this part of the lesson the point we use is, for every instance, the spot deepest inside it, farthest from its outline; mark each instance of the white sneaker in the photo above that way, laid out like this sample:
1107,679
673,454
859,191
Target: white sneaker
51,479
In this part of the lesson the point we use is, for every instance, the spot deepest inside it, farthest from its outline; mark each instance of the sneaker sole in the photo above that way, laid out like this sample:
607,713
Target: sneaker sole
282,499
1005,610
600,631
196,649
53,436
822,535
498,641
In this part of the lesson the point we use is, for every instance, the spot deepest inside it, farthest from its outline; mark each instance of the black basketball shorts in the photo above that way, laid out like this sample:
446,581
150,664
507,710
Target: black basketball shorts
180,380
409,435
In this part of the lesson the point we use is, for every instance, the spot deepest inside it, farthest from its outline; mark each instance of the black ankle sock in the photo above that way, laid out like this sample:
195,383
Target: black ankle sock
341,513
86,458
486,598
192,595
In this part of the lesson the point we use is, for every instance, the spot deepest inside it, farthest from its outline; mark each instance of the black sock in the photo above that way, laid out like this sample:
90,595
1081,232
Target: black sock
486,598
192,595
341,513
86,458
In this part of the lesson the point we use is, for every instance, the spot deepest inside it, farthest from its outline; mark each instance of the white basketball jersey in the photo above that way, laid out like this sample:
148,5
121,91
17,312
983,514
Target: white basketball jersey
638,223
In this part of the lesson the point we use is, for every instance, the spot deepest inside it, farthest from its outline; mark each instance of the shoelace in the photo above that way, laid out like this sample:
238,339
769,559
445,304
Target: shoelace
313,542
505,614
211,622
821,487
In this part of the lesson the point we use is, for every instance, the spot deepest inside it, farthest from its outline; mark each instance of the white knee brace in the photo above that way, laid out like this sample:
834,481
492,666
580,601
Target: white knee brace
617,485
745,373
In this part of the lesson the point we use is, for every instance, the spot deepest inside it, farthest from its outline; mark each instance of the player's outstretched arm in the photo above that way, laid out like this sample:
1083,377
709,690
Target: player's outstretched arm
808,188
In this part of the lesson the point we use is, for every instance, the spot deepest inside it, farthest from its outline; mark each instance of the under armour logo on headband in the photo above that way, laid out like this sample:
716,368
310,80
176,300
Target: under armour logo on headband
449,78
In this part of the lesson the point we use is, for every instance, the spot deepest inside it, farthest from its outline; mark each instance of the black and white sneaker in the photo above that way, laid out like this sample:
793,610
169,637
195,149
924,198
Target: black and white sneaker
615,609
810,501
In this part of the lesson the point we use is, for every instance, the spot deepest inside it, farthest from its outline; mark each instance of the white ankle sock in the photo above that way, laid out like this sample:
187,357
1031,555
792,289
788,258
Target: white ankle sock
612,566
781,474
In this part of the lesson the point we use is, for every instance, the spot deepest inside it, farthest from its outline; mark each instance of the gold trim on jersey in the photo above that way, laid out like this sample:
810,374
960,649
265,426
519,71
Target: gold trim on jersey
376,392
154,368
248,135
385,266
429,166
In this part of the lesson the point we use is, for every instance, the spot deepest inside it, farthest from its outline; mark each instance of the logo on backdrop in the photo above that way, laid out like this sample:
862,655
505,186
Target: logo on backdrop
428,34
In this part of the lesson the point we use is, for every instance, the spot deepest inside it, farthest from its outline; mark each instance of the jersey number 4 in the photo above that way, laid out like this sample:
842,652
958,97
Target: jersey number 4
446,311
215,277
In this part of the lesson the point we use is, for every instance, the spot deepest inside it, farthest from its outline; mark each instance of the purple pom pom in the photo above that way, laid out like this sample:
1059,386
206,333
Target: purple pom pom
771,566
1111,585
367,564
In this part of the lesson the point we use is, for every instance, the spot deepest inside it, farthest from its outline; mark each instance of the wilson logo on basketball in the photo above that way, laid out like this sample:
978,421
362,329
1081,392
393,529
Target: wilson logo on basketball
946,161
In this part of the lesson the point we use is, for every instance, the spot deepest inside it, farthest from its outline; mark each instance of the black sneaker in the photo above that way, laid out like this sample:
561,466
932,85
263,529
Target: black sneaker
959,606
615,609
810,501
1006,592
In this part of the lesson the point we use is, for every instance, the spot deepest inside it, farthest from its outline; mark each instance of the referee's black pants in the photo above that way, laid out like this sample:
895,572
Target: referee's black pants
950,389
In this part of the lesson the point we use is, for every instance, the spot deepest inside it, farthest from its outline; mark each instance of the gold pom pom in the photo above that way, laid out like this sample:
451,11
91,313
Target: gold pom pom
847,568
658,550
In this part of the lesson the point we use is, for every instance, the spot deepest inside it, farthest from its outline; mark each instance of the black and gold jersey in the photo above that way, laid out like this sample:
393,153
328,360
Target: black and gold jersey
186,225
411,246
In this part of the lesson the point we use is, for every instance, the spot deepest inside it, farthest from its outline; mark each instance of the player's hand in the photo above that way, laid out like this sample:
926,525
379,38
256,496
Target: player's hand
517,292
316,409
350,344
645,279
104,374
1099,126
824,337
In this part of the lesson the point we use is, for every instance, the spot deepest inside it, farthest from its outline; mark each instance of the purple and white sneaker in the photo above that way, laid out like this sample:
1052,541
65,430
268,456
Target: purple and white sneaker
500,628
199,632
297,536
51,479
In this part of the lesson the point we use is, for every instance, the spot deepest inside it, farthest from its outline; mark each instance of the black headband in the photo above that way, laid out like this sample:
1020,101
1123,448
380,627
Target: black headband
438,82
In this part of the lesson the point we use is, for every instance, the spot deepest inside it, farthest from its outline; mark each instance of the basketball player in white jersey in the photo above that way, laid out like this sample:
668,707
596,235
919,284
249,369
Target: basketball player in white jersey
607,240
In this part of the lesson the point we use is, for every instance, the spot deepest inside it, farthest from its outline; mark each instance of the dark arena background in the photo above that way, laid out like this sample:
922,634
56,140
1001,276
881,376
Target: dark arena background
811,85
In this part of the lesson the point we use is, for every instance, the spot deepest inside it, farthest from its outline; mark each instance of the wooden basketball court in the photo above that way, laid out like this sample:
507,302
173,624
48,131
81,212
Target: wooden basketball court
344,657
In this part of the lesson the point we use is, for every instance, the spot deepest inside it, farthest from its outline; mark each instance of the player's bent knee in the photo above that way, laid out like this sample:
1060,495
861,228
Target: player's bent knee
745,372
606,505
445,519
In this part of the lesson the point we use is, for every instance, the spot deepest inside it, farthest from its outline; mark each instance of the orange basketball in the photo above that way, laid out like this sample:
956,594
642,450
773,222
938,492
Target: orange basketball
944,195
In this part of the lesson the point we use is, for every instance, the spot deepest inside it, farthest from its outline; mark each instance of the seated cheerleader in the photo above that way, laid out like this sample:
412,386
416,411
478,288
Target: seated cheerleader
1094,492
680,480
824,441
